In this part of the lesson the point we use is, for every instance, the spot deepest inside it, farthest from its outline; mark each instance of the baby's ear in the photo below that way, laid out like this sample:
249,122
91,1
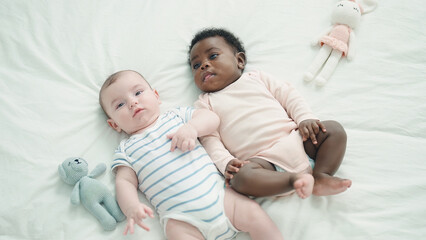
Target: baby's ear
113,125
241,58
156,93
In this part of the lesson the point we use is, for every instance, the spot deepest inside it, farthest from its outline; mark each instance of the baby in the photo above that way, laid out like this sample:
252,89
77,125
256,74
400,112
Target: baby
267,134
164,160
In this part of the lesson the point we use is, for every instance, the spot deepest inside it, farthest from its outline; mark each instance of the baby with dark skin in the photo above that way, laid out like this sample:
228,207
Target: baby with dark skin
217,59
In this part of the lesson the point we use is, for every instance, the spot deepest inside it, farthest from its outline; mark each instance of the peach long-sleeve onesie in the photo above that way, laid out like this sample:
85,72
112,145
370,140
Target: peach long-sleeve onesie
259,117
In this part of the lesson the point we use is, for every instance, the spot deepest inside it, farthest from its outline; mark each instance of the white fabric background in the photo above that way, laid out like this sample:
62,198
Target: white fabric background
54,56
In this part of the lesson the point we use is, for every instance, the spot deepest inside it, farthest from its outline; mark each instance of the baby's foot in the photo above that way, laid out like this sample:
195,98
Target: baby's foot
303,185
328,185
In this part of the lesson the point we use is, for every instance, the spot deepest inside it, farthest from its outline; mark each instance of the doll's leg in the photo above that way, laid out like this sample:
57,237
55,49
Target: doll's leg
112,207
178,230
328,154
248,216
329,67
107,221
319,60
258,178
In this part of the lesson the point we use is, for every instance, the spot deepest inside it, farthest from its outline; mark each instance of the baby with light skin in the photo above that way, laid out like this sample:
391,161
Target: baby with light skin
164,160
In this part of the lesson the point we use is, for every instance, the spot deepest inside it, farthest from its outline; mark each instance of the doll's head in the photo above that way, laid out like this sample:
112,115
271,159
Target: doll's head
217,59
73,169
347,12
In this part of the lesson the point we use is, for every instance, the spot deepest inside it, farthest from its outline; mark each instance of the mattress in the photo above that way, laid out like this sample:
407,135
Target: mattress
55,55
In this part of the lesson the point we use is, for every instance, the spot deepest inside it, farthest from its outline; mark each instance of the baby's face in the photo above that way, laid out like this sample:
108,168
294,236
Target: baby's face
131,103
215,64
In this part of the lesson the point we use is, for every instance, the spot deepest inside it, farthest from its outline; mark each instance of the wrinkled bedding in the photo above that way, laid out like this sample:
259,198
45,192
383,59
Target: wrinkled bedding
56,54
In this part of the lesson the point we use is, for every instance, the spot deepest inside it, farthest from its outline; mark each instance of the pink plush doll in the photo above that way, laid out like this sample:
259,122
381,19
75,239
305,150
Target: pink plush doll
338,40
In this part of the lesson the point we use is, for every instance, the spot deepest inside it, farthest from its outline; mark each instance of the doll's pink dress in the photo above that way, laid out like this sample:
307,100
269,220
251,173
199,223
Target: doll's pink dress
338,38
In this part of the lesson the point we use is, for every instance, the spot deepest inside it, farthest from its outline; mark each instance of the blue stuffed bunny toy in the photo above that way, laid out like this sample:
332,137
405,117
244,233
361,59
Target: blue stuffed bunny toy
94,196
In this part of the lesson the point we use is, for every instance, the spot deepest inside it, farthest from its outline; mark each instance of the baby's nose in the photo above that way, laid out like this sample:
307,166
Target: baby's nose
133,103
205,65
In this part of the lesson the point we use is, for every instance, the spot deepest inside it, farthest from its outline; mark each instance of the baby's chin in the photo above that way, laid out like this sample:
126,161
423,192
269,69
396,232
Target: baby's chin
209,88
144,127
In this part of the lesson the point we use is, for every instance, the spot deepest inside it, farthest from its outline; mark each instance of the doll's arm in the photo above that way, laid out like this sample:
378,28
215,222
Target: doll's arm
351,46
323,33
98,170
75,194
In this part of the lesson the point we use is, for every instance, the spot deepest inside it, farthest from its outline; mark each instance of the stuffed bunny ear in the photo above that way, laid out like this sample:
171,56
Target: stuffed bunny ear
368,6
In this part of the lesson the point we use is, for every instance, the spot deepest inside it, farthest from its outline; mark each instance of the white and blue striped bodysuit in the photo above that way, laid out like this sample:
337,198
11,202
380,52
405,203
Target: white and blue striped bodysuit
185,186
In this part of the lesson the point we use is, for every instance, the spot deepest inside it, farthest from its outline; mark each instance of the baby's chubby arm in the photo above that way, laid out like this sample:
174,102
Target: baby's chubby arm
203,122
126,184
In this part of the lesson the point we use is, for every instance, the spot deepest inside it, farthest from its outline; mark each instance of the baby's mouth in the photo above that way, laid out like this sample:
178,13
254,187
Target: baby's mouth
137,111
207,76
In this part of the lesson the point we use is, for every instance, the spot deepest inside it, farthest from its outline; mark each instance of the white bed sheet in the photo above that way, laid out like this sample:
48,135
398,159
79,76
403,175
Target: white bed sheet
54,55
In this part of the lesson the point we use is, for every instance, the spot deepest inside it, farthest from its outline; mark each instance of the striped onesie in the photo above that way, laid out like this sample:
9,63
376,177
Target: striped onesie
185,186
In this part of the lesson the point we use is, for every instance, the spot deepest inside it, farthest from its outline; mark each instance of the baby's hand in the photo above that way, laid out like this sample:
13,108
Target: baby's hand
135,215
184,138
233,167
309,128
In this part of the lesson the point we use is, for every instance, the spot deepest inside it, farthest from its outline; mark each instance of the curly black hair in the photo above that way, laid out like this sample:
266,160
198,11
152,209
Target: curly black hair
229,37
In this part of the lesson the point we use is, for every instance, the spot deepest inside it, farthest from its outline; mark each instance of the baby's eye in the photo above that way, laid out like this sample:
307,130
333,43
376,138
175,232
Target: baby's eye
356,9
138,93
340,5
213,56
196,66
119,105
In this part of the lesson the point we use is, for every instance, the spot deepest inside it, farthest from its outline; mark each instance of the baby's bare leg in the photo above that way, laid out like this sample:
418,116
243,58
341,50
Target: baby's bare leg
328,154
248,216
258,178
178,230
